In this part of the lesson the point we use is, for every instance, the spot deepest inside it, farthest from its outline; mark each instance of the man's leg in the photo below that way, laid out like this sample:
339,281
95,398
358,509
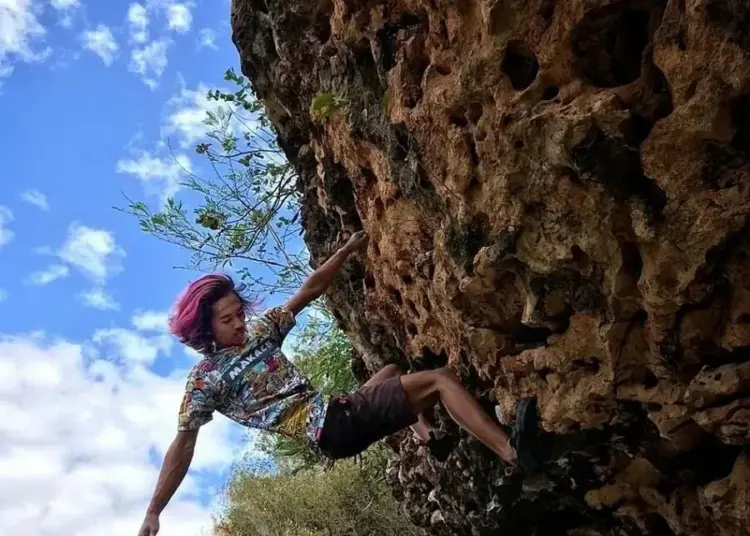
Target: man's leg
424,389
422,427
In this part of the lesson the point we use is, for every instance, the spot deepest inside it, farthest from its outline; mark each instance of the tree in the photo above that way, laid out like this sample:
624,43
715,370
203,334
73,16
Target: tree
348,500
248,209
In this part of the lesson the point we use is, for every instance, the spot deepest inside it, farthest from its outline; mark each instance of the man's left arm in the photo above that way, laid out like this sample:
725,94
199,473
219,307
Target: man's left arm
322,278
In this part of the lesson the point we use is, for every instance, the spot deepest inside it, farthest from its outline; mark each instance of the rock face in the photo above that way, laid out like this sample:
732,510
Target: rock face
557,195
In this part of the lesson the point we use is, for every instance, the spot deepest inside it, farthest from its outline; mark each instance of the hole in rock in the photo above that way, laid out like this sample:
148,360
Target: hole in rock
733,16
507,119
547,10
528,335
369,176
423,180
471,145
259,5
657,525
412,329
652,106
650,380
412,95
608,44
412,307
387,38
519,65
550,93
457,117
518,144
473,185
544,372
322,28
591,365
369,280
481,135
475,111
464,240
407,279
379,208
632,262
396,297
725,166
610,162
434,360
442,70
579,257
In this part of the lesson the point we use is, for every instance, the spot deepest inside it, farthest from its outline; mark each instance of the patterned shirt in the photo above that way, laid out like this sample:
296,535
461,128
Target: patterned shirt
255,385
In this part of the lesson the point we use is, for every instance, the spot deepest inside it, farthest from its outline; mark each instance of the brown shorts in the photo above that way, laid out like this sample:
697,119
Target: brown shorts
357,420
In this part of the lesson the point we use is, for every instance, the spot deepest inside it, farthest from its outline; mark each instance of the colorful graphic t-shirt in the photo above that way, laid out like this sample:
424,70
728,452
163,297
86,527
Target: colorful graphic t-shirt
255,385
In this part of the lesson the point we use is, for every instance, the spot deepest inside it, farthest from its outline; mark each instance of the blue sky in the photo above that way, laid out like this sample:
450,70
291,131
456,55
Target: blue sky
90,92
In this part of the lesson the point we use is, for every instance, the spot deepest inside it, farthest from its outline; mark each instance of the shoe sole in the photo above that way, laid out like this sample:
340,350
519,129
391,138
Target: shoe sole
525,434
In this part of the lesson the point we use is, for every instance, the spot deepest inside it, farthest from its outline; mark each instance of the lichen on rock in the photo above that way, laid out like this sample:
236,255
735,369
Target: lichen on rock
557,195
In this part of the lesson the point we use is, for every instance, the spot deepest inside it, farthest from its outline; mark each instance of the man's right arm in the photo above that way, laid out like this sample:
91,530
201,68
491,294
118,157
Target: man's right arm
175,466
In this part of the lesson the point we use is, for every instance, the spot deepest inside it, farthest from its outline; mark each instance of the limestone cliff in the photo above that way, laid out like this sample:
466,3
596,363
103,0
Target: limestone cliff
557,194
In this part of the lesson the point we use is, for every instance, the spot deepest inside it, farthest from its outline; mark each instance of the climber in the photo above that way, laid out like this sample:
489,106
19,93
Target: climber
244,375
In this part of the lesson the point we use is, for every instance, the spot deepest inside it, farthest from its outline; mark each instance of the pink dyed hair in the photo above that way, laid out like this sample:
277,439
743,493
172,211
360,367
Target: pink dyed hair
190,320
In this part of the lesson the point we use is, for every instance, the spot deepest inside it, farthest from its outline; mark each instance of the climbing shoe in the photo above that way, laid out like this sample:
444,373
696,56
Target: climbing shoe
441,445
523,437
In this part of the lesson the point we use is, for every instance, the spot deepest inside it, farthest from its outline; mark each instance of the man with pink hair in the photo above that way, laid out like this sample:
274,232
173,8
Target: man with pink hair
244,375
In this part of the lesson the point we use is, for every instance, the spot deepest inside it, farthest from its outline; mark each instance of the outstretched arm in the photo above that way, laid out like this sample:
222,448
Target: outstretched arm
319,281
176,463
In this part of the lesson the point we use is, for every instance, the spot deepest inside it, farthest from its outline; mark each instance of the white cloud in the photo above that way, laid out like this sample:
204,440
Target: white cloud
65,4
102,43
3,295
138,20
179,17
21,34
151,321
93,251
6,216
132,346
186,114
98,298
36,198
66,9
150,62
80,423
159,176
207,39
48,275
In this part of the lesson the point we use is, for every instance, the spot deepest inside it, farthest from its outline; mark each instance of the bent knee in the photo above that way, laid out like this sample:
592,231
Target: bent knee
392,370
444,374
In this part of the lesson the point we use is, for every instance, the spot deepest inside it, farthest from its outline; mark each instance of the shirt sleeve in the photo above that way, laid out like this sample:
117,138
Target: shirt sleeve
278,322
198,403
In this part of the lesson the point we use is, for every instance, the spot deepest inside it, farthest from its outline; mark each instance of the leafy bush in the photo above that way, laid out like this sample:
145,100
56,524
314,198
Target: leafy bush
349,500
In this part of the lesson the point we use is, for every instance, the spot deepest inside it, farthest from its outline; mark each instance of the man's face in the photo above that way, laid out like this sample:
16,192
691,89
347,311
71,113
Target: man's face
228,321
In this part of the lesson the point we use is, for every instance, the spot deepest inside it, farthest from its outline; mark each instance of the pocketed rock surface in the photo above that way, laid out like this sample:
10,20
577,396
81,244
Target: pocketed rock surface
557,195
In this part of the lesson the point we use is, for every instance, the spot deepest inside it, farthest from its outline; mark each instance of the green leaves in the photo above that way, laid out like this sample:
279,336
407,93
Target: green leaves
210,219
325,105
243,201
349,500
